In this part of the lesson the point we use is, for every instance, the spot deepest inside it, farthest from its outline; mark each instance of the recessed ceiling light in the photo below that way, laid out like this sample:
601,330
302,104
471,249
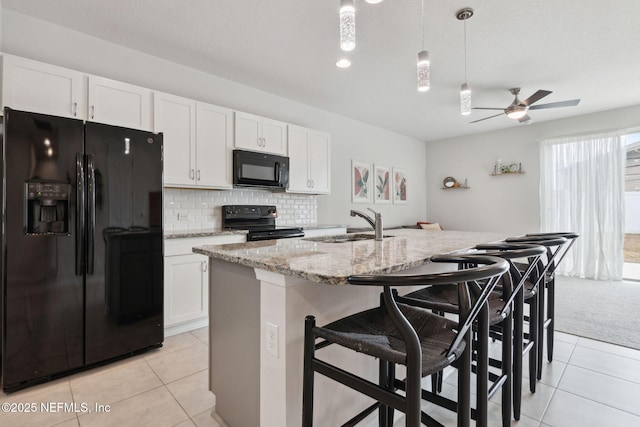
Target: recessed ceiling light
343,63
373,1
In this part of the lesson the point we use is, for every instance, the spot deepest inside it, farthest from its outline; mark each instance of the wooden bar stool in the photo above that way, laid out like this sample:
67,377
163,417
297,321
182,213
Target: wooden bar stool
551,284
553,245
399,334
500,325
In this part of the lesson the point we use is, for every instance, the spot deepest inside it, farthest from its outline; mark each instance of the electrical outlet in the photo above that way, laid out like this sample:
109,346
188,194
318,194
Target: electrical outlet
271,341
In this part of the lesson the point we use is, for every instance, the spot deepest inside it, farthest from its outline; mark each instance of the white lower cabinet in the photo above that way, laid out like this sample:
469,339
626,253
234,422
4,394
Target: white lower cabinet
186,282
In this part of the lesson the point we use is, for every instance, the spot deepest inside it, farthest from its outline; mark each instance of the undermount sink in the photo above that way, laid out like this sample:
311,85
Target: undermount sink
343,238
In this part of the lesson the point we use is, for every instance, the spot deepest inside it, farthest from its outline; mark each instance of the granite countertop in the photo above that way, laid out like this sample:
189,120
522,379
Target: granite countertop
333,263
184,234
319,226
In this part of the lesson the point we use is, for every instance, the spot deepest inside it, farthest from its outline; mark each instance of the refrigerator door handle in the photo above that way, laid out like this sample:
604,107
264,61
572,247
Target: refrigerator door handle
79,212
91,211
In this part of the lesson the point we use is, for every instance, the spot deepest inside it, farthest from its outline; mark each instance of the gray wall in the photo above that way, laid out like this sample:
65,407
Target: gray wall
502,203
42,41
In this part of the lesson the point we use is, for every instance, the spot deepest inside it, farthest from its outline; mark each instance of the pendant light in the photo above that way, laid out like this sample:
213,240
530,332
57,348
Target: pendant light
424,65
347,25
465,91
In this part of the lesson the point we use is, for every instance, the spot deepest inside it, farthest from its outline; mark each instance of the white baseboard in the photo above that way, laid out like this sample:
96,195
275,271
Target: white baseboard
185,327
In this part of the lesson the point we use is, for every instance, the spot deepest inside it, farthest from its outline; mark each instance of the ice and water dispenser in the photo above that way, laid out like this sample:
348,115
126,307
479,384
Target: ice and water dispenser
47,210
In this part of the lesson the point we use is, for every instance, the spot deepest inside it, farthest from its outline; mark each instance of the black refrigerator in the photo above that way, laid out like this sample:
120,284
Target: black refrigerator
81,245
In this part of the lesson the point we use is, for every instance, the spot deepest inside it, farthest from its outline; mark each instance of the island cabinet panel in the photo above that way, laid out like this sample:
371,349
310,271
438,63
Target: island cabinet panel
42,88
309,161
119,104
257,133
198,142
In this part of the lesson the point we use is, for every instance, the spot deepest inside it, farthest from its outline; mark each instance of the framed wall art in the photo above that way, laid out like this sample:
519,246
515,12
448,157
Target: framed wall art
399,186
382,184
361,187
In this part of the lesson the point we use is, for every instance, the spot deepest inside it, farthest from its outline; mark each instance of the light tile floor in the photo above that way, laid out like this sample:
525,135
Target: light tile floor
162,387
589,384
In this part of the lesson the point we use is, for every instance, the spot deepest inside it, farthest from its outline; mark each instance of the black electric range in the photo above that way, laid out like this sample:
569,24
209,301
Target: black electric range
259,220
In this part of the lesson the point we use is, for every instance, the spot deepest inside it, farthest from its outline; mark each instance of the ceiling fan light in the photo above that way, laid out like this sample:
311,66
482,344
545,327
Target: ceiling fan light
424,71
516,112
465,99
347,25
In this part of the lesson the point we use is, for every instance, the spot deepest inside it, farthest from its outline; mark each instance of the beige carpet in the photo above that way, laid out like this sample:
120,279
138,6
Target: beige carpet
602,310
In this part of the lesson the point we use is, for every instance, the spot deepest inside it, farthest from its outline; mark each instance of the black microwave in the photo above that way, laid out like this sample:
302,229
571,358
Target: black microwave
253,169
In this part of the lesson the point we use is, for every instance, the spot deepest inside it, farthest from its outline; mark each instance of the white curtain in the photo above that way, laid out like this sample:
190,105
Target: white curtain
582,190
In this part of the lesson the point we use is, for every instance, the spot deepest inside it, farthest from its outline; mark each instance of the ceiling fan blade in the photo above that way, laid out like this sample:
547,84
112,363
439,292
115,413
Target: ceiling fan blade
524,118
490,117
486,108
569,103
535,97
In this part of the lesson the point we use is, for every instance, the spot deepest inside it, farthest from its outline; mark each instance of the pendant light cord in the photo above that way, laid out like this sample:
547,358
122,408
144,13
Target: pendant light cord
465,50
422,23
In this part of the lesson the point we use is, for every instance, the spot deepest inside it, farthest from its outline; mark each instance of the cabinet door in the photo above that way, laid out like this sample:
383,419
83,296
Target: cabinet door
186,288
248,131
175,117
42,88
274,136
214,146
119,104
320,162
298,160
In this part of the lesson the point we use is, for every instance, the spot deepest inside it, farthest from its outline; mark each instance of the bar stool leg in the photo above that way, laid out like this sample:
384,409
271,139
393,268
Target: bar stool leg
541,319
464,385
308,373
507,357
533,335
482,371
551,297
518,345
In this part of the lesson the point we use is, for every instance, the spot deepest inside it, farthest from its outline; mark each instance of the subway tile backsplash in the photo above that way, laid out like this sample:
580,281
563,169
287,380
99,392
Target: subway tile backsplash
194,210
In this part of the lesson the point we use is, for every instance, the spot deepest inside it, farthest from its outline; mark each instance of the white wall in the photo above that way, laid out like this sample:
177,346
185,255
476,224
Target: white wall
42,41
508,203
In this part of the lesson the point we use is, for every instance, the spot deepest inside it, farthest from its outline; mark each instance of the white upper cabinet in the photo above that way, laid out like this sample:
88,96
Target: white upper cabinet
257,133
175,117
214,146
197,142
42,88
309,161
119,104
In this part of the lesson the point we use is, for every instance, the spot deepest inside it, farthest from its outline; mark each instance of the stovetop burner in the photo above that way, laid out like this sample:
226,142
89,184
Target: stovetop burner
260,220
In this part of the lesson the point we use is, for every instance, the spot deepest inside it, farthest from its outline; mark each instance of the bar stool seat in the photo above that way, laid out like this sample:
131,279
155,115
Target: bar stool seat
372,332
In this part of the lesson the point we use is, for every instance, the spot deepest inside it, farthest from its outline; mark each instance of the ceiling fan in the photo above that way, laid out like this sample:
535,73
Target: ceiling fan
518,109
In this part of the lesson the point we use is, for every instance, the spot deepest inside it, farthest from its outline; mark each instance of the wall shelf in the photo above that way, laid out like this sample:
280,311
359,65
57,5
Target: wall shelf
506,173
454,188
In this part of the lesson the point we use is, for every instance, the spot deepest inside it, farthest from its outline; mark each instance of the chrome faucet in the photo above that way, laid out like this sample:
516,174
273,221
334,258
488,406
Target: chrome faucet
376,225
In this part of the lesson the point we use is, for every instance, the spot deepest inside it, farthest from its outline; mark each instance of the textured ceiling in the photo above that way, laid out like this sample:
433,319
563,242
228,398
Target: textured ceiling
584,49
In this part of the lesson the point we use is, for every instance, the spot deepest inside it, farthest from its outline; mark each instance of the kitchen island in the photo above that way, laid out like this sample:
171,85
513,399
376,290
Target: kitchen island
260,293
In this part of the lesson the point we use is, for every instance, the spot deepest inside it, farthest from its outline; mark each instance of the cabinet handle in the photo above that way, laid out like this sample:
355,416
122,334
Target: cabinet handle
191,175
93,111
75,109
204,266
198,175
